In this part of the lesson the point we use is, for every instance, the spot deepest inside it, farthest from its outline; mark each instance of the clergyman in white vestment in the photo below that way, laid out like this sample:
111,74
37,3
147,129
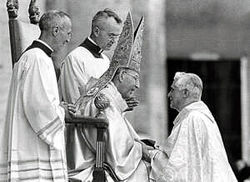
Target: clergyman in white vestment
194,151
32,136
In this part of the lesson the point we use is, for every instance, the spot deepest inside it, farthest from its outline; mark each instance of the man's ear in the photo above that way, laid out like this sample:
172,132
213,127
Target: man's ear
96,31
55,31
185,93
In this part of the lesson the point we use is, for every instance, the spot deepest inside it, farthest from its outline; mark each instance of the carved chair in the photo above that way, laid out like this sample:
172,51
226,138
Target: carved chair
21,36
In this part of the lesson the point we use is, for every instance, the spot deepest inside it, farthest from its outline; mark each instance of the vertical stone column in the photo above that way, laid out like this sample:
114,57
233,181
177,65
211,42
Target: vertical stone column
156,82
245,107
150,118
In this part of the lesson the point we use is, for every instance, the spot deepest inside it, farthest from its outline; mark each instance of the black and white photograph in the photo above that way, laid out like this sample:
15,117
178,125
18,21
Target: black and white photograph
125,91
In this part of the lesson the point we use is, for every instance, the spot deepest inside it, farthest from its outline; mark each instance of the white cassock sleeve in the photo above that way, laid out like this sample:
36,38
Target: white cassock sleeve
41,101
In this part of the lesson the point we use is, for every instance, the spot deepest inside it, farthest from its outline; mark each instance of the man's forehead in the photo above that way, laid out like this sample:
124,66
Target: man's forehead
180,80
177,83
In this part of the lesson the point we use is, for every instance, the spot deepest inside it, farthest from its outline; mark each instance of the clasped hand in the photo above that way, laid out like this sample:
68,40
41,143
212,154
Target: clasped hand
70,109
132,102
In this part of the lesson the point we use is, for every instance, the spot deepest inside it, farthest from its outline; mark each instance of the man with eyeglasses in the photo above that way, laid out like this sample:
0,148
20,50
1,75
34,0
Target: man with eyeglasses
87,60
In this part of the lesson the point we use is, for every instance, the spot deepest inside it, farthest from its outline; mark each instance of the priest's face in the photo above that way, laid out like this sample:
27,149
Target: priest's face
108,33
64,33
176,97
129,83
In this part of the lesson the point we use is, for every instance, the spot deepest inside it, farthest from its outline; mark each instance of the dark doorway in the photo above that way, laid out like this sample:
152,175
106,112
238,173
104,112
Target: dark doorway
222,94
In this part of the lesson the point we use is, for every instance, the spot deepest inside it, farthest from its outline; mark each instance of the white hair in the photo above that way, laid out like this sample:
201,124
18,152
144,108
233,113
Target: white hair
189,81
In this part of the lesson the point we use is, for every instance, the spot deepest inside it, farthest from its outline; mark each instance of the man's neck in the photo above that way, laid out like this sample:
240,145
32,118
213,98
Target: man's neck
187,102
92,47
43,41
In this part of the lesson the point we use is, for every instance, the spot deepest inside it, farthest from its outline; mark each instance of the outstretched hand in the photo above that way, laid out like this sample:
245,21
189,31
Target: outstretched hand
132,102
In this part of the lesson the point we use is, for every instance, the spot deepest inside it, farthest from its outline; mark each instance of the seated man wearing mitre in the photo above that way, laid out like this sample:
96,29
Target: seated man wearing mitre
125,152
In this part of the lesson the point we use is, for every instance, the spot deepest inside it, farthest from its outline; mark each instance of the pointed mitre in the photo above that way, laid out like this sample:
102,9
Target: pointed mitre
136,57
126,55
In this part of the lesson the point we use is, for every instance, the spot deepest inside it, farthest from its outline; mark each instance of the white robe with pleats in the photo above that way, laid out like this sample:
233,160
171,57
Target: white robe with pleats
194,150
32,136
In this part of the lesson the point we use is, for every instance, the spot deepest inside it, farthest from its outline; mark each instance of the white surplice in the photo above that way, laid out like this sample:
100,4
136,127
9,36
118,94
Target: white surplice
123,149
195,150
78,67
32,136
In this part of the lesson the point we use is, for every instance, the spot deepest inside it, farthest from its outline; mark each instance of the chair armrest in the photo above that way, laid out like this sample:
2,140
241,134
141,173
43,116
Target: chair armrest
101,124
84,120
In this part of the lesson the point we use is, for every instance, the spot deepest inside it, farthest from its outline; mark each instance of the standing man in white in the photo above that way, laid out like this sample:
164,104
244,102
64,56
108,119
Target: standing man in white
194,150
32,136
